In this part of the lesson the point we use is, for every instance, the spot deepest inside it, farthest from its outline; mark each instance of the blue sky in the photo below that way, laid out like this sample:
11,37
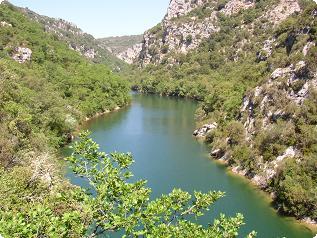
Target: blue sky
103,18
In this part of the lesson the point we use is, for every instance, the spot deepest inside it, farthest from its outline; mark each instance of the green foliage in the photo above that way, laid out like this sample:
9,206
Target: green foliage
43,101
273,141
235,132
297,187
157,31
243,155
121,205
33,208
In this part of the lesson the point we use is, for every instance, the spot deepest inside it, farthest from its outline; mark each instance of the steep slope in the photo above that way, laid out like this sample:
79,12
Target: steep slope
46,91
252,64
77,40
34,64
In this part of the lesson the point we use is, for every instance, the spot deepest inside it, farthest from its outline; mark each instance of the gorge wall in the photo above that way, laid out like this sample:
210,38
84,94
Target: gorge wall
252,64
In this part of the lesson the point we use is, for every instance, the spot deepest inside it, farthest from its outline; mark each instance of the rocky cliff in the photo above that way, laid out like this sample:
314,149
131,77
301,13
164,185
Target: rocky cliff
252,64
125,48
188,23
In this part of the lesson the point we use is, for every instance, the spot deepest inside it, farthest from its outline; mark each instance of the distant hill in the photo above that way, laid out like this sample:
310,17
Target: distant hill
118,44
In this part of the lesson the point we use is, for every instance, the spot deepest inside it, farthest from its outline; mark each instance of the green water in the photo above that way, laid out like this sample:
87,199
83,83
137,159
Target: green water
157,131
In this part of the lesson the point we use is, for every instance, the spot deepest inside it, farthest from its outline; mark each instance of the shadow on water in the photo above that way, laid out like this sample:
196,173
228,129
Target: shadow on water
157,130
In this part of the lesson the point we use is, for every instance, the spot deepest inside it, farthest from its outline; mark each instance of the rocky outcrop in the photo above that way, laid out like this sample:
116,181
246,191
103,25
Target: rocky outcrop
294,84
89,53
22,54
42,168
269,170
179,8
235,6
130,54
5,24
282,10
176,37
179,32
126,48
202,131
307,47
183,30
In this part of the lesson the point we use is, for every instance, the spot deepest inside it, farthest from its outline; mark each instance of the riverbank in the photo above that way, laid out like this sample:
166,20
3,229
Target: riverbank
99,114
269,196
88,119
242,174
153,129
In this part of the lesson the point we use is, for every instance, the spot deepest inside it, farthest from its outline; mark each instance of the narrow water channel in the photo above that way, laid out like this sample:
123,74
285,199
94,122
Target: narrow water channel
157,130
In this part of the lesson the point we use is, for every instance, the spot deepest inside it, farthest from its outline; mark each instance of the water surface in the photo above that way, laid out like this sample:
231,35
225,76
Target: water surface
157,130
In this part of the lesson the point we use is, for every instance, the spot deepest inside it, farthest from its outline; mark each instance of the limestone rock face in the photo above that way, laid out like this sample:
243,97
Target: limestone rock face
185,27
178,32
269,170
176,37
235,6
130,54
282,10
202,132
179,8
266,100
307,47
22,54
62,28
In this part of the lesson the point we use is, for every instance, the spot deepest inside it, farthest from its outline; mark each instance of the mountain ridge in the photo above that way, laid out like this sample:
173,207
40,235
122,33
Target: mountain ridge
77,40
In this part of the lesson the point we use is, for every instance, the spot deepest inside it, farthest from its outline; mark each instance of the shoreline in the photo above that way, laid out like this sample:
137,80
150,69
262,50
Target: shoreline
88,119
232,172
99,114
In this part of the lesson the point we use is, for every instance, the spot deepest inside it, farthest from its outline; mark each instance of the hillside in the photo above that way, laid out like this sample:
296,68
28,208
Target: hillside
77,40
46,91
252,65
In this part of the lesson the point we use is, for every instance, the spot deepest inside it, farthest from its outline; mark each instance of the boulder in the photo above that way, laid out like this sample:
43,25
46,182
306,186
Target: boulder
202,132
5,24
22,54
217,153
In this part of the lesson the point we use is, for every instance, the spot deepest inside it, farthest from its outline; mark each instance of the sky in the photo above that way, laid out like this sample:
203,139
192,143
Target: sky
103,18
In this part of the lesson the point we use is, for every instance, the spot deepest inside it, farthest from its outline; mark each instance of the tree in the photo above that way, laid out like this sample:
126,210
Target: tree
112,204
121,205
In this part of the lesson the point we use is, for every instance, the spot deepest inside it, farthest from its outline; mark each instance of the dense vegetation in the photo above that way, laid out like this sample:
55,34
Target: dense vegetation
114,204
43,100
228,66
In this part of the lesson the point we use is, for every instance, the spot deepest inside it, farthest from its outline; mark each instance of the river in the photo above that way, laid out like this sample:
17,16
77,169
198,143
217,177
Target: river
158,132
